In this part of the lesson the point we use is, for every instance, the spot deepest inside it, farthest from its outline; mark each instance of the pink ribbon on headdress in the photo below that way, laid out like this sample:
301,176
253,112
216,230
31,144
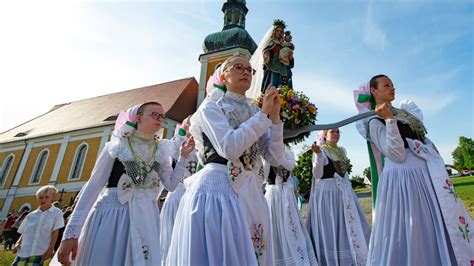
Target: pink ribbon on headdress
363,99
129,117
215,82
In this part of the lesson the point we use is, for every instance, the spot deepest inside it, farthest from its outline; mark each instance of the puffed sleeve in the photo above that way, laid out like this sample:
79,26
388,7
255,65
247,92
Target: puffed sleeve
387,139
231,143
274,147
319,160
169,176
91,191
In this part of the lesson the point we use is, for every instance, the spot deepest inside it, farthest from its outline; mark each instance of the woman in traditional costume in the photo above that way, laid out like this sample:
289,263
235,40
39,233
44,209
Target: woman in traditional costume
173,198
231,135
116,220
290,239
335,220
419,219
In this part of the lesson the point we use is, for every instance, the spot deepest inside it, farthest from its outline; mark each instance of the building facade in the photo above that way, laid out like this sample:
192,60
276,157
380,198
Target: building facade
60,147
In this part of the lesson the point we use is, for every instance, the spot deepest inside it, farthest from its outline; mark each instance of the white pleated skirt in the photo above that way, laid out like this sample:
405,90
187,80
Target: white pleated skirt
258,219
408,228
167,215
105,235
327,224
290,240
210,226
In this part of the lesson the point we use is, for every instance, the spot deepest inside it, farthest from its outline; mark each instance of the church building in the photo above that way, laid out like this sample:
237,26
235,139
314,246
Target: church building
61,146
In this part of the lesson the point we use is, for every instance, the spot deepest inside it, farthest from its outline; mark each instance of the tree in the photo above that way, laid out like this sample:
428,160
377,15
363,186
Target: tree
349,169
304,169
463,155
367,173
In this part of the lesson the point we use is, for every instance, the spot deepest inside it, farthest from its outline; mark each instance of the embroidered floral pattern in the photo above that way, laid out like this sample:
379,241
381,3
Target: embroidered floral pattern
420,148
464,228
449,186
154,183
145,252
258,241
234,171
300,252
292,223
352,230
192,167
126,186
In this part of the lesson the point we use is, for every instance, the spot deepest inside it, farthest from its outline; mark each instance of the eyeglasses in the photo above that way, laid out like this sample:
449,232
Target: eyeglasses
156,116
239,68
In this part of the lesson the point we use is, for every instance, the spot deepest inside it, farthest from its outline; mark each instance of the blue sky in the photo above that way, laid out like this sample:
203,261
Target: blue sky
54,52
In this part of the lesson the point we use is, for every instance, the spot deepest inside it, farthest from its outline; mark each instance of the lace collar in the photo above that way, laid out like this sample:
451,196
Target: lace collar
142,136
235,97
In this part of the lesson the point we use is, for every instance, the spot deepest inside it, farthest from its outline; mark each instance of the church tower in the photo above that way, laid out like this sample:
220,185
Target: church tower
233,39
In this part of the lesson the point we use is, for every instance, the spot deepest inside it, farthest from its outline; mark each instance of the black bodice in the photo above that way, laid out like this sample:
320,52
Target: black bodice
329,169
405,131
117,171
210,154
274,171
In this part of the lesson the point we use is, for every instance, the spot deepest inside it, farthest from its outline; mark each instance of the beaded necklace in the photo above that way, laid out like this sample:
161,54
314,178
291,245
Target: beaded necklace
144,167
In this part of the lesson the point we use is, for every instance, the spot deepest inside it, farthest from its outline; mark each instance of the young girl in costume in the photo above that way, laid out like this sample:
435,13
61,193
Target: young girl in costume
116,220
212,226
290,240
173,198
335,220
419,219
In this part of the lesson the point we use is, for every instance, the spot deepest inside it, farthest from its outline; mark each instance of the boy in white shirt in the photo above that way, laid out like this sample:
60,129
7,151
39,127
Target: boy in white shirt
39,230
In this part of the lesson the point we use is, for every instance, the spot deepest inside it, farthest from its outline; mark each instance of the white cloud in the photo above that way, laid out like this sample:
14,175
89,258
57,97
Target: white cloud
56,52
329,95
373,34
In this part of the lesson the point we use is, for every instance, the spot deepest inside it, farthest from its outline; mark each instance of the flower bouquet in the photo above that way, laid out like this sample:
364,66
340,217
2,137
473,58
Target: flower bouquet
296,111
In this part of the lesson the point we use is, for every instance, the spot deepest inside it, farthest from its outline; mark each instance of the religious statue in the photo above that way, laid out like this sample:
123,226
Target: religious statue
278,57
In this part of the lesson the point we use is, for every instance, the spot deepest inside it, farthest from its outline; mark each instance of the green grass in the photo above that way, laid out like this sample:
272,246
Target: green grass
465,188
362,189
7,257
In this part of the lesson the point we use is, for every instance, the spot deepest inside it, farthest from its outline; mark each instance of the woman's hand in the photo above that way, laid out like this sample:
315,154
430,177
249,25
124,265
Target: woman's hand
268,100
316,148
275,114
186,123
67,248
187,148
384,110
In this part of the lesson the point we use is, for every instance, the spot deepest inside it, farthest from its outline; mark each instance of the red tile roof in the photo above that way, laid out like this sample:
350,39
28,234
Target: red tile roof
178,97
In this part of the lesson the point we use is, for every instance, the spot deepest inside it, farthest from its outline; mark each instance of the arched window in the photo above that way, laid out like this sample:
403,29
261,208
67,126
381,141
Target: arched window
78,162
39,167
7,165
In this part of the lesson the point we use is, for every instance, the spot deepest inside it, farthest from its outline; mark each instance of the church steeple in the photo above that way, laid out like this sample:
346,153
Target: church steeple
234,14
233,39
233,33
